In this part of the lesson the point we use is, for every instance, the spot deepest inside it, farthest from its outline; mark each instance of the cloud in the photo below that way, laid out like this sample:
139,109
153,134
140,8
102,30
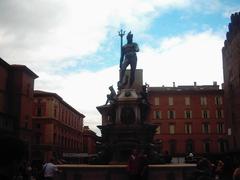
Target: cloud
52,36
228,11
82,90
184,60
39,32
181,59
206,6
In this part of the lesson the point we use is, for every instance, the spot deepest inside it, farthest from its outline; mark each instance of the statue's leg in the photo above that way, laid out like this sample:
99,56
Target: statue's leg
133,69
123,69
106,102
108,96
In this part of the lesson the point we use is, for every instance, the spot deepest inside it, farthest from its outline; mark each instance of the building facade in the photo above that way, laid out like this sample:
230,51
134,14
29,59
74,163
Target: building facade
58,127
188,119
231,72
16,98
89,141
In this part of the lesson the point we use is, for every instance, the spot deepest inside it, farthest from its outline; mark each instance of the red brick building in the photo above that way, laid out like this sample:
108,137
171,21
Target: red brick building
89,141
231,71
16,98
189,119
58,127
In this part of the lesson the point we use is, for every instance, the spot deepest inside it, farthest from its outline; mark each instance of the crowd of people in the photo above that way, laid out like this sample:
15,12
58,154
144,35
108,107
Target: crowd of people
27,171
225,169
13,165
220,170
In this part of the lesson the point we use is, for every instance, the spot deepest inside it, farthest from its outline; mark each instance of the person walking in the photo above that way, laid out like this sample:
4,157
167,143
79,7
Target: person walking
143,166
50,170
133,166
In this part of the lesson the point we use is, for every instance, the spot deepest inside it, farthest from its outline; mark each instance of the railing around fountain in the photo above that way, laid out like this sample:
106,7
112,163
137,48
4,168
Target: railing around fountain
118,172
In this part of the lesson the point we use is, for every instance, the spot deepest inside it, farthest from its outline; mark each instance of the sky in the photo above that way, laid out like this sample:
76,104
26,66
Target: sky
74,46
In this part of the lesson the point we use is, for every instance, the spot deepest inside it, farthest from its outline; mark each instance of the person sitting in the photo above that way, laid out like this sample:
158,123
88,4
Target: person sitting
111,97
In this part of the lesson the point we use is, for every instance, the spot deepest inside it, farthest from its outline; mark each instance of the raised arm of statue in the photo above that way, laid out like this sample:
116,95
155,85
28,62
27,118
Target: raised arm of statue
136,47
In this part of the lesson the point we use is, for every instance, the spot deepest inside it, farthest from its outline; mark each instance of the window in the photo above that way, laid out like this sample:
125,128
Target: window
66,115
189,146
158,130
188,114
171,114
205,114
218,100
206,146
220,128
203,100
63,120
85,148
156,101
222,145
62,141
171,129
28,89
157,114
188,128
172,147
187,101
54,138
59,139
170,101
55,111
219,113
39,111
205,128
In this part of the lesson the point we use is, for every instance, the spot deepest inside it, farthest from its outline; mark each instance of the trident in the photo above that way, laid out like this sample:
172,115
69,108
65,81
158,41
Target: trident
121,33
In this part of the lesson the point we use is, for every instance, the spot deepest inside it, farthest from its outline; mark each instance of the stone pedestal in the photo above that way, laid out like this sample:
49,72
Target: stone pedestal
124,125
122,139
137,84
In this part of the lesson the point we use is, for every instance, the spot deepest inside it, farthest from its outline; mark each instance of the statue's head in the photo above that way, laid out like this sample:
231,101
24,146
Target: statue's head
110,88
129,36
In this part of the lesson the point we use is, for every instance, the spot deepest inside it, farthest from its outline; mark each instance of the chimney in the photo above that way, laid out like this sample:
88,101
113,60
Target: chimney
195,84
173,84
214,83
